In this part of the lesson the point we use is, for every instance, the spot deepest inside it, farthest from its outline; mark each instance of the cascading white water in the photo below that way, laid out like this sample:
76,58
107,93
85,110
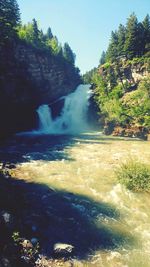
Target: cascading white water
73,116
45,119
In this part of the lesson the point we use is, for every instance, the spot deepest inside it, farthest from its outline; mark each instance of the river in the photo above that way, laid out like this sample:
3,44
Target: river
75,198
65,175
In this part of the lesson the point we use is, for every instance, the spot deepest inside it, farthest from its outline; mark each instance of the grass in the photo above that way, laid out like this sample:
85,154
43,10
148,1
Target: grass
134,175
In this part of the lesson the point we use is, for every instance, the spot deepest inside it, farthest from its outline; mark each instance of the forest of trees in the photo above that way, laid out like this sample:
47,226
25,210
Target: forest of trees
132,40
129,41
12,31
31,34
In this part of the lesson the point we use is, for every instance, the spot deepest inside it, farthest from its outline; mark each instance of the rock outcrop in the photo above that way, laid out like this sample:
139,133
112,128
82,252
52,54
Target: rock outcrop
51,76
127,72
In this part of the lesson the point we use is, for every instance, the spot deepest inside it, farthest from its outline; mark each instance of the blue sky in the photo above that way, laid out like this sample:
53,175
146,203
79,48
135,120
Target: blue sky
85,24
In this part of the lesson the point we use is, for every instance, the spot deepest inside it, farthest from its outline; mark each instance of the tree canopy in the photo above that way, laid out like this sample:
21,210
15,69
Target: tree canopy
131,41
9,20
68,54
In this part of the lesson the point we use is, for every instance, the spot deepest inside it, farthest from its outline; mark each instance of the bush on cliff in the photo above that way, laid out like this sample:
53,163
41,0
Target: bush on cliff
123,108
137,104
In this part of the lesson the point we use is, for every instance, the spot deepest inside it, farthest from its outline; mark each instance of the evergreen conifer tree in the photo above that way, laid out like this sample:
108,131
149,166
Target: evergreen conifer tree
68,54
36,33
131,41
146,38
121,39
141,42
9,20
102,58
112,52
49,33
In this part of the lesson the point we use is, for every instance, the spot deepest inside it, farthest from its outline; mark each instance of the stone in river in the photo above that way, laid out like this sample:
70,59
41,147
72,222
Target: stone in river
63,249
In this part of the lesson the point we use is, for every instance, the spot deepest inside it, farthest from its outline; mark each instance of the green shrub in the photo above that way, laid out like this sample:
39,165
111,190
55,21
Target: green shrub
134,175
107,65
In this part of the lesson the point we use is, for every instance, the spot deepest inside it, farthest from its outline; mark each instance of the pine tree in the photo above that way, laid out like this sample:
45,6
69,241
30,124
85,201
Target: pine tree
42,39
146,39
68,54
112,52
55,46
131,42
102,58
140,40
36,33
49,33
121,39
9,20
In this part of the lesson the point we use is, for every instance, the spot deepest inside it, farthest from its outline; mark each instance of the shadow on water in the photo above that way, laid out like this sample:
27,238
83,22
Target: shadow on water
52,215
48,147
35,147
55,216
99,138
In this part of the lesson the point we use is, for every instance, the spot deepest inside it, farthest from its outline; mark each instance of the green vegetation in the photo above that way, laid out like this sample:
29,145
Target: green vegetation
134,175
68,54
13,32
132,40
88,76
122,100
32,35
9,20
130,107
26,249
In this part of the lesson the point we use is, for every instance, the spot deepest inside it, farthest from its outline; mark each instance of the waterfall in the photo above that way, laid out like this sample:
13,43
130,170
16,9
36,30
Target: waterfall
45,119
73,118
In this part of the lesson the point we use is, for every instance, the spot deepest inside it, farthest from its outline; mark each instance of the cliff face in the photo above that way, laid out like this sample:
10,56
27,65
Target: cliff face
51,76
139,72
126,72
29,78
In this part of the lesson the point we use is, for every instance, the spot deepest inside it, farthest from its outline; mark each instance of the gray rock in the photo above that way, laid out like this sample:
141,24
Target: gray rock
7,218
63,249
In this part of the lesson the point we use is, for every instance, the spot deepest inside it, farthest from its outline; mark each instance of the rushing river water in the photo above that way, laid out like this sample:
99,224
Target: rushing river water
84,203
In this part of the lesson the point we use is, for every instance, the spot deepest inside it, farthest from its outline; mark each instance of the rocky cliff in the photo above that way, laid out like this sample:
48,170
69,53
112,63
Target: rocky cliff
52,76
126,72
122,96
30,77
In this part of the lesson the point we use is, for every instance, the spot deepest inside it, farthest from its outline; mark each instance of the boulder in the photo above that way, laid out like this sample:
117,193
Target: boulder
62,249
7,218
